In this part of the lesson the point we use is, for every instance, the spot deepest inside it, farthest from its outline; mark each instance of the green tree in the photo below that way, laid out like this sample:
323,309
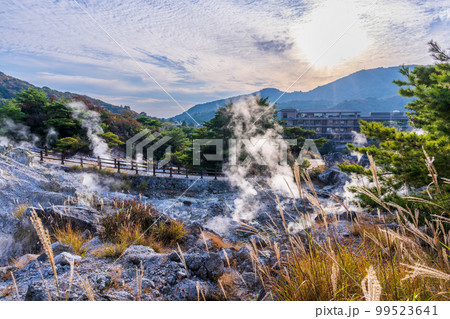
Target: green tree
71,145
10,110
111,139
32,102
400,156
60,118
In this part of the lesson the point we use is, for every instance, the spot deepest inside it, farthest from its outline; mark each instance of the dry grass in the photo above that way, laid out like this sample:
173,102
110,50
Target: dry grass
169,233
139,277
135,223
110,251
44,237
19,210
86,287
73,238
377,263
218,241
7,291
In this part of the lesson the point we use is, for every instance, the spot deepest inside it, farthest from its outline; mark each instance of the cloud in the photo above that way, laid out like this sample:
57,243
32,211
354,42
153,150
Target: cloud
197,49
274,46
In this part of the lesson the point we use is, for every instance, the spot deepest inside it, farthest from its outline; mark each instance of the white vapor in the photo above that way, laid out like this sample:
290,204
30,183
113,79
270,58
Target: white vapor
243,115
90,120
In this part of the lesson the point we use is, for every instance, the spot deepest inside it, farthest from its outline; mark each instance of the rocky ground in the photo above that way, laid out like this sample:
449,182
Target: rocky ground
216,260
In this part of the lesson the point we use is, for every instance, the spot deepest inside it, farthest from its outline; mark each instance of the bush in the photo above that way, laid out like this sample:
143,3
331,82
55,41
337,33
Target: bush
135,223
170,233
73,238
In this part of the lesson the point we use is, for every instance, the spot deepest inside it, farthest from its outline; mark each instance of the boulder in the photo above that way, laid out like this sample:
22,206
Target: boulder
334,159
207,266
79,217
36,292
192,290
333,176
57,248
64,258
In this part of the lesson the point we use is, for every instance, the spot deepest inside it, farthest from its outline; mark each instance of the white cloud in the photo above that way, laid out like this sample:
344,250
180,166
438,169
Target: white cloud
200,48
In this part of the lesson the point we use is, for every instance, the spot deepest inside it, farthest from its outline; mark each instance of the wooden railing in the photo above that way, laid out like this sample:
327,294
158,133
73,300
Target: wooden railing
122,165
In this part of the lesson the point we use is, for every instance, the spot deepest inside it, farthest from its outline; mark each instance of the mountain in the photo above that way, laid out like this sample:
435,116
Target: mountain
10,86
365,91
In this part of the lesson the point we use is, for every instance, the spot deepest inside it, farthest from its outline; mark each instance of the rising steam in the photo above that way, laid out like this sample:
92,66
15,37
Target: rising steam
90,120
263,146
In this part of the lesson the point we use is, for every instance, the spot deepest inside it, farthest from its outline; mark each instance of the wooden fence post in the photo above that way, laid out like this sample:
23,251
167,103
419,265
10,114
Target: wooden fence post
154,168
42,156
62,158
215,174
147,166
201,173
115,163
137,165
171,172
99,161
186,172
164,168
46,150
178,169
81,161
118,166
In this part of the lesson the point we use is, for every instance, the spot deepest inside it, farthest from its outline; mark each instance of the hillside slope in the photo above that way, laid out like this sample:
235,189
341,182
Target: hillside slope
9,86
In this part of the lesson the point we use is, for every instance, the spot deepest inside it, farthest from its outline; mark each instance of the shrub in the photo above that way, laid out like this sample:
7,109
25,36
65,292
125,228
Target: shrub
136,223
143,186
126,186
170,232
72,238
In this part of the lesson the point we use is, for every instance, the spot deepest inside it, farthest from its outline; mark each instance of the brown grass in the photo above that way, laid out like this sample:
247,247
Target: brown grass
71,237
44,237
19,210
377,263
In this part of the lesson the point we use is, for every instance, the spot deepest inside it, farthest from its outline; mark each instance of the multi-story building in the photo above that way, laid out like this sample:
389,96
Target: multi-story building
338,126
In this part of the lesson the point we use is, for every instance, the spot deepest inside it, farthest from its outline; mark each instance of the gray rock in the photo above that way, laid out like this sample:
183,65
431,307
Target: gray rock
243,254
92,245
137,253
64,258
101,280
57,248
333,176
227,255
349,216
36,292
334,158
191,290
250,279
207,266
79,217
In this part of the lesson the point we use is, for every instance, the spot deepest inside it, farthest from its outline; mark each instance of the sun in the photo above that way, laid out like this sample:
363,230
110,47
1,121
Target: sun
332,34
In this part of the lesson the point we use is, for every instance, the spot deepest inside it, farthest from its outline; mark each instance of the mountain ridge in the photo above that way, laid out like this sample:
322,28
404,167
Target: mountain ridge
366,91
10,86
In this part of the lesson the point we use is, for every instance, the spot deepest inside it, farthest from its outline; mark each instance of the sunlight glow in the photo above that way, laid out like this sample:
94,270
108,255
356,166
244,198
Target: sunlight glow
324,25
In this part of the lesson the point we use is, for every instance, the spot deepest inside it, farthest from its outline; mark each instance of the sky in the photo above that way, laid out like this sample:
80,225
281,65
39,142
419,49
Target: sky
162,57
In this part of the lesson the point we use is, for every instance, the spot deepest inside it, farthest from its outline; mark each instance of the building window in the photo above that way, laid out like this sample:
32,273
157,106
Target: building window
285,115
